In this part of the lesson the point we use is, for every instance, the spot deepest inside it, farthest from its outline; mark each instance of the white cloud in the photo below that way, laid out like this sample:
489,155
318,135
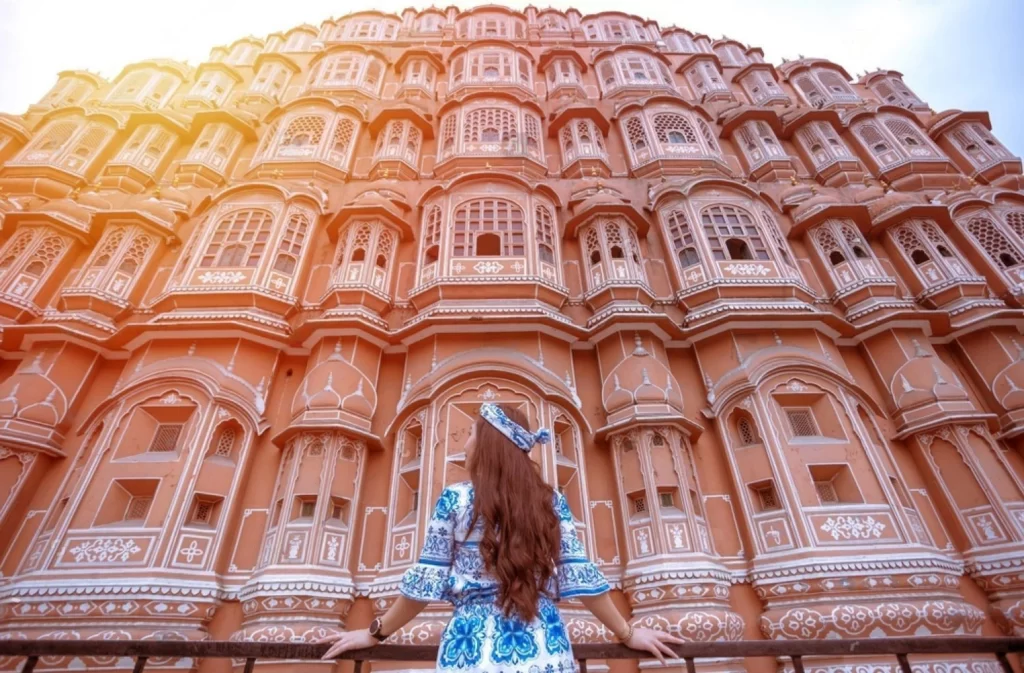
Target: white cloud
953,53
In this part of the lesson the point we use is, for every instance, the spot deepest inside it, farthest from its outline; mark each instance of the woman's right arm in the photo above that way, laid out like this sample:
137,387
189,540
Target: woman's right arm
637,638
579,578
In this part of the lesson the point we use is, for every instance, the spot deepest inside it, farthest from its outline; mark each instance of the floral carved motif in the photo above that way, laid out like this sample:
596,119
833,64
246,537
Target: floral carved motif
105,550
748,269
221,277
853,527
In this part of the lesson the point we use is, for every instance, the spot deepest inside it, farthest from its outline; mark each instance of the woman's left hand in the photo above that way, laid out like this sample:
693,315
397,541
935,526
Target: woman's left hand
347,640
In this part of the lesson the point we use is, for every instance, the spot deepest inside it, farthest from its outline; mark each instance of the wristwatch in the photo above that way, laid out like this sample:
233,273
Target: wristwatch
375,630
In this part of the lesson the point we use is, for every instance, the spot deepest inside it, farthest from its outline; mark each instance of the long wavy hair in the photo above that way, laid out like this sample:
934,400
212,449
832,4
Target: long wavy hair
520,528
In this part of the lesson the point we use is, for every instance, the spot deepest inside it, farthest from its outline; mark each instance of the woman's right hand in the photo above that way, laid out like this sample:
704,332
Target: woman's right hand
653,641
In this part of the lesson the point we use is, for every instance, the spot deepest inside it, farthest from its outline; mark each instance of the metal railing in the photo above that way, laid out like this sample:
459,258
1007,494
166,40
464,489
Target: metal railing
794,650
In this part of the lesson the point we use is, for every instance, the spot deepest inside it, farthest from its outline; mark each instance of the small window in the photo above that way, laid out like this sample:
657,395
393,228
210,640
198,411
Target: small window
339,510
415,501
666,499
836,258
165,439
738,249
204,511
307,507
766,497
801,423
639,504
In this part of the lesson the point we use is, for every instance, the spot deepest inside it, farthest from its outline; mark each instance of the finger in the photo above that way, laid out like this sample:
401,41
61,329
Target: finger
331,638
653,649
336,649
675,640
666,649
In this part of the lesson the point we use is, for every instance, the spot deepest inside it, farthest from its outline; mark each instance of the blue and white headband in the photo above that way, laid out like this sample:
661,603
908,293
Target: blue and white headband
516,433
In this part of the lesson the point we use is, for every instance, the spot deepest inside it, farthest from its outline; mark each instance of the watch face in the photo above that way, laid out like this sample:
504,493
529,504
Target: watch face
375,628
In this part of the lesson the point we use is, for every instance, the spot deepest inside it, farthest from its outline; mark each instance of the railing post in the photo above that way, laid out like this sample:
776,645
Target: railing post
583,665
1004,662
904,663
798,663
358,666
690,666
30,664
140,663
249,664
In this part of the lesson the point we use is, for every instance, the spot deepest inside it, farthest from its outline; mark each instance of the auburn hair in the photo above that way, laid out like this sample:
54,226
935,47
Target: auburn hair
521,534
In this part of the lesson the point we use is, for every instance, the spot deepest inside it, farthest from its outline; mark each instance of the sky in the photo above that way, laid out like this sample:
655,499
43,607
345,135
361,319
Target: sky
953,53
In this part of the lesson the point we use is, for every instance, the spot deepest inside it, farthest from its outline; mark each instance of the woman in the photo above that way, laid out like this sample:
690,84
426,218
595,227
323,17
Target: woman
502,548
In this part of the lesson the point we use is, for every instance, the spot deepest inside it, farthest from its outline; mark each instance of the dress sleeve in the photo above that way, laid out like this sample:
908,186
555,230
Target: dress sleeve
428,580
577,576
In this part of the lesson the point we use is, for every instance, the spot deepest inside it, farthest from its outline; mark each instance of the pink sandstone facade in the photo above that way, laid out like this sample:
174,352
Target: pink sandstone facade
772,314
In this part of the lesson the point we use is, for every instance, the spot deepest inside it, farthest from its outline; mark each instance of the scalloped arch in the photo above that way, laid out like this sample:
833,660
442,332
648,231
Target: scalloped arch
499,362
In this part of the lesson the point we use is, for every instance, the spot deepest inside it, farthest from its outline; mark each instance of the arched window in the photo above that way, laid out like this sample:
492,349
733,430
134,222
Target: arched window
364,254
682,238
823,144
488,227
809,88
995,243
930,250
238,240
290,248
674,129
302,136
24,277
911,139
117,259
612,248
225,442
545,235
835,84
732,233
877,144
848,254
431,235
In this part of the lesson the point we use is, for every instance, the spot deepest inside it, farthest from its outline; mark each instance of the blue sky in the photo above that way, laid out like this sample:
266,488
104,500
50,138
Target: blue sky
953,53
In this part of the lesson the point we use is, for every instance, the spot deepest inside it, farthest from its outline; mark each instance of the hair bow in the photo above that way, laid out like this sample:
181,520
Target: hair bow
516,433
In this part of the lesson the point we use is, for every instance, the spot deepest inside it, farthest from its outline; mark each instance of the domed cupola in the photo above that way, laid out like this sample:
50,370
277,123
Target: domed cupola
640,384
335,393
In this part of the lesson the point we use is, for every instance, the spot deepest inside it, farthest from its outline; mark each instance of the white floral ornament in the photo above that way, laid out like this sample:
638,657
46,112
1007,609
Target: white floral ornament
516,434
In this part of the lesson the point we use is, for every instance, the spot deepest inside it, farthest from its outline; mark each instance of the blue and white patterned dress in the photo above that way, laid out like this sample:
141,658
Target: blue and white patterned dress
479,638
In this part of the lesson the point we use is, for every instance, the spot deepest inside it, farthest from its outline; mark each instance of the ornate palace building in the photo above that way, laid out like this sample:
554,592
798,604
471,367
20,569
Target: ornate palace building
249,308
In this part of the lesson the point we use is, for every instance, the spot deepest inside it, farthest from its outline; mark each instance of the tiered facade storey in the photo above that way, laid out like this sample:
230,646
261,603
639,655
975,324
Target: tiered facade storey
249,310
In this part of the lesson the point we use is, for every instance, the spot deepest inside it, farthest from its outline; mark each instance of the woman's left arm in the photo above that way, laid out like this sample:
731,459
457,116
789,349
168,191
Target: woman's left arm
401,612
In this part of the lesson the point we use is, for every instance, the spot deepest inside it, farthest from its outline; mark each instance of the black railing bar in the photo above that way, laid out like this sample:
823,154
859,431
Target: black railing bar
140,664
582,664
904,663
250,663
358,668
798,664
1005,663
717,649
691,667
30,664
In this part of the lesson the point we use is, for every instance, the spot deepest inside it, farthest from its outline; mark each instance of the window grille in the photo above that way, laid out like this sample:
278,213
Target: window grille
908,136
166,437
746,432
826,492
203,512
305,131
138,508
307,508
639,504
682,238
225,443
674,129
239,240
666,499
497,216
545,235
801,423
637,135
431,235
994,242
767,497
291,244
1015,220
724,224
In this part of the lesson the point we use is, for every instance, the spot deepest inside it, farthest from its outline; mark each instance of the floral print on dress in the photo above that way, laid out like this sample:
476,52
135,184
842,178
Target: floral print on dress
480,637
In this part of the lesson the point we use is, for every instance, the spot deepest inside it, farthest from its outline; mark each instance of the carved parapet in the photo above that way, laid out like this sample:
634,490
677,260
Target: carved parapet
1002,578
